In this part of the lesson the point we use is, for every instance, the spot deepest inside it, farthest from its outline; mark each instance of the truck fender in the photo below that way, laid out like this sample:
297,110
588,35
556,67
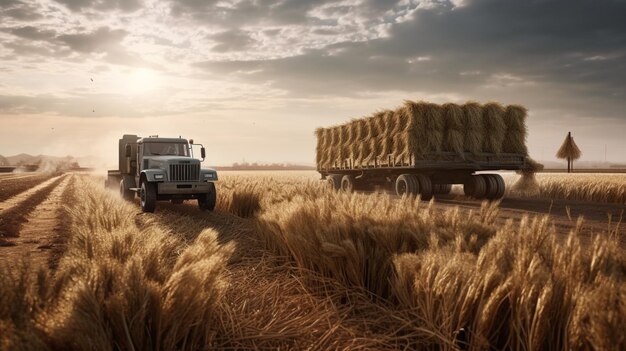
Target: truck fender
149,175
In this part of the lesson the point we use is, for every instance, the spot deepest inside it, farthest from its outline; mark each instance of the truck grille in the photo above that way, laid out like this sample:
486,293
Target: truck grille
184,172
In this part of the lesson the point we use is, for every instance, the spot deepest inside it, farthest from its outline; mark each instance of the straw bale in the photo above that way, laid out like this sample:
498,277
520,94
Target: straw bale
319,149
333,149
473,127
344,145
364,149
435,124
373,140
415,128
515,120
387,137
495,128
454,133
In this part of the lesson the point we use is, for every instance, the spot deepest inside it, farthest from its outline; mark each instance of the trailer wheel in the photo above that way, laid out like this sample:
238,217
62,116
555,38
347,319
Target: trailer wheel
495,186
207,203
148,196
425,187
347,183
442,189
125,192
475,187
406,184
334,181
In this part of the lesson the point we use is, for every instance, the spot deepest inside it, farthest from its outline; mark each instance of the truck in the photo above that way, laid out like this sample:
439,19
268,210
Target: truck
162,169
423,149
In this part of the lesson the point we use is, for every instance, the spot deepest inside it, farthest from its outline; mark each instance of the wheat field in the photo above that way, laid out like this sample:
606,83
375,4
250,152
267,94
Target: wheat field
286,263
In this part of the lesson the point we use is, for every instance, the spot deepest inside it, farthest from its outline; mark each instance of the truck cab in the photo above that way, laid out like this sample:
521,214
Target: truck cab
162,169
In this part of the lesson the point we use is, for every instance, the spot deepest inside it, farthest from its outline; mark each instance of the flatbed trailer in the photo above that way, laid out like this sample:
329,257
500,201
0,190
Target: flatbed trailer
432,174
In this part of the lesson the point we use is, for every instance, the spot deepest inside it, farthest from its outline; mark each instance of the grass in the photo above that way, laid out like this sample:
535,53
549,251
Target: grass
605,188
285,263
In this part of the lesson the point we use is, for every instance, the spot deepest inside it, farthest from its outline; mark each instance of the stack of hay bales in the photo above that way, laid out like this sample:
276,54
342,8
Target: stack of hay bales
421,130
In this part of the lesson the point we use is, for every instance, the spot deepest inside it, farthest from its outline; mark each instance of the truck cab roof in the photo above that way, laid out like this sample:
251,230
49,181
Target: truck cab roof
162,140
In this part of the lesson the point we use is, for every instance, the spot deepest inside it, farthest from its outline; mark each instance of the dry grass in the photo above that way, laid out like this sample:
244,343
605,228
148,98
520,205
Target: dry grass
584,187
318,270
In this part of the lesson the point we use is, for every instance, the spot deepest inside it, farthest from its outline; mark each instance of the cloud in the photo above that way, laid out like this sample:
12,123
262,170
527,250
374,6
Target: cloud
31,32
100,40
19,10
102,5
232,40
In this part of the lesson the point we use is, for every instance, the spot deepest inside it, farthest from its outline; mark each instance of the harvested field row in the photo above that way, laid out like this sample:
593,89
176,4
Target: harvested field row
418,129
13,186
40,231
12,218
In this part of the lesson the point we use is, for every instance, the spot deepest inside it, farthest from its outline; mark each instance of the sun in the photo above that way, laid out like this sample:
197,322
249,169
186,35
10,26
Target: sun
143,80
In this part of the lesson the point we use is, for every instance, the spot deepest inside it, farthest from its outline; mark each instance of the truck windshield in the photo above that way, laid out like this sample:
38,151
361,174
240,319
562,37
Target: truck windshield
163,149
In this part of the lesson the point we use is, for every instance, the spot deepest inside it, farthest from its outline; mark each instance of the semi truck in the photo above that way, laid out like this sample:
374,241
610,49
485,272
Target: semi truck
162,169
423,149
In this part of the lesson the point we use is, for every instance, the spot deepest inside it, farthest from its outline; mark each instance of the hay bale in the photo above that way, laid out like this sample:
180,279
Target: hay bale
344,144
374,140
453,127
399,144
433,116
387,137
364,149
494,127
515,121
333,149
319,149
415,140
473,127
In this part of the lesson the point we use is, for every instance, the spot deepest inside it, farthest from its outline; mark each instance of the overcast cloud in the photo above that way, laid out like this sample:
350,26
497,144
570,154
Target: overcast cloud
255,67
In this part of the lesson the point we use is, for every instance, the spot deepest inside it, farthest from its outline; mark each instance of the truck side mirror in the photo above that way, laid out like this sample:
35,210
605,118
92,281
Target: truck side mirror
203,153
127,150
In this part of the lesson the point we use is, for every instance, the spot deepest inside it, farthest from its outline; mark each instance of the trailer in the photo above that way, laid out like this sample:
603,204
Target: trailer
396,150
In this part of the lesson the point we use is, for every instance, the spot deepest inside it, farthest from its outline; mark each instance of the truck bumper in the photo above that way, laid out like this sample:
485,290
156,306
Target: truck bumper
182,188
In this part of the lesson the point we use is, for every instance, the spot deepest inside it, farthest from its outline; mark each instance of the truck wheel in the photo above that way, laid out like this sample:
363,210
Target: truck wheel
442,189
495,186
425,188
125,192
334,181
406,184
347,183
148,196
207,202
475,187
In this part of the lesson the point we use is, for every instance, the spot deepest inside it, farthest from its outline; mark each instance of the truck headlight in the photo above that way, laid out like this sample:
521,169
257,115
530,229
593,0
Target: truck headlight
208,175
159,176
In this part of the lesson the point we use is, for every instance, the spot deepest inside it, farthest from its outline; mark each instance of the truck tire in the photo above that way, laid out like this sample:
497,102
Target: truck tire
148,196
347,183
406,184
334,181
425,187
495,186
475,187
208,201
442,189
125,192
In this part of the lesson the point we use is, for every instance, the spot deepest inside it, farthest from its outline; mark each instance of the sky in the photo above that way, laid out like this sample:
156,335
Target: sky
252,79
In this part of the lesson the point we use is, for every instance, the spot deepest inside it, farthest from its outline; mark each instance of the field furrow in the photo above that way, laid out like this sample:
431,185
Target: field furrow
37,228
14,211
18,185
